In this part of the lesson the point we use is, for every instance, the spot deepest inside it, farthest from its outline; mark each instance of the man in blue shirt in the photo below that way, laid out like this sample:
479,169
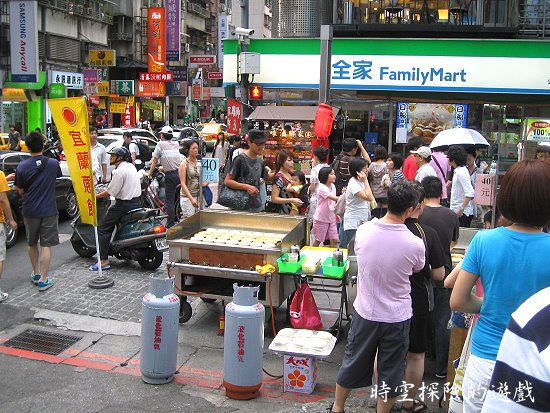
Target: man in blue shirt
35,182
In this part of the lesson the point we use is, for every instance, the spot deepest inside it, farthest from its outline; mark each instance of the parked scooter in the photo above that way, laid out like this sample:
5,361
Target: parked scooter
139,236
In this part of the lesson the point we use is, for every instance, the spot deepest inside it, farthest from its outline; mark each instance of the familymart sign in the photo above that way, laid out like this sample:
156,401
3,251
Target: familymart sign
485,66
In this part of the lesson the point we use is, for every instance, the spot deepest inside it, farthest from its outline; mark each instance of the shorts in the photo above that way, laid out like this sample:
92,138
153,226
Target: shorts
365,339
2,241
187,208
418,336
477,379
323,231
43,229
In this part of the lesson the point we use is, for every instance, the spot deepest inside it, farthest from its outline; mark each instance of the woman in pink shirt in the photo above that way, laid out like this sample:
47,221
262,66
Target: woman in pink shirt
324,219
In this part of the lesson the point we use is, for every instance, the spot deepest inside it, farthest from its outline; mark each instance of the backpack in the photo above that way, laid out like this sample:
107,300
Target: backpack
145,153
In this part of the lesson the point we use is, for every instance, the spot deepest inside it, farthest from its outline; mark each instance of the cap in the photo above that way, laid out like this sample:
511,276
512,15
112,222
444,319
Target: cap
423,151
256,136
167,130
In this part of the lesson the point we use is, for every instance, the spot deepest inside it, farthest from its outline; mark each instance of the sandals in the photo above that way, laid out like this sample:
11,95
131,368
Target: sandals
95,267
329,409
417,406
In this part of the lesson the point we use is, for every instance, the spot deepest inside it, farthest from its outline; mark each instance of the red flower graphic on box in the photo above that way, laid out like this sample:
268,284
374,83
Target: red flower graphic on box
297,379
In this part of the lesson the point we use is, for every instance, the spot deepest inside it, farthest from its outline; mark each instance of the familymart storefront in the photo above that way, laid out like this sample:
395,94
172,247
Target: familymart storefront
393,89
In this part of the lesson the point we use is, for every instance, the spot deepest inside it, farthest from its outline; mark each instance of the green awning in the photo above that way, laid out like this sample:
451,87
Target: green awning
28,85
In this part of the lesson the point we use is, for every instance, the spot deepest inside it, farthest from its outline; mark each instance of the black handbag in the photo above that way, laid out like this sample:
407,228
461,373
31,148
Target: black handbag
233,198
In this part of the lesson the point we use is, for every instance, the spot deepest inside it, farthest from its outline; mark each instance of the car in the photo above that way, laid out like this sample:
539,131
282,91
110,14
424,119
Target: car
110,142
64,194
5,143
185,135
209,132
136,132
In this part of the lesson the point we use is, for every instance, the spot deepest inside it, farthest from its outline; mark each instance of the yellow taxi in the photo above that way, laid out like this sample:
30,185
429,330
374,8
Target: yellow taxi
5,143
209,132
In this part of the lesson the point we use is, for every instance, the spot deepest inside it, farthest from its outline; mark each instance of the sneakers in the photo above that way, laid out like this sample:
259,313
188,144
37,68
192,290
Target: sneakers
44,285
35,277
3,296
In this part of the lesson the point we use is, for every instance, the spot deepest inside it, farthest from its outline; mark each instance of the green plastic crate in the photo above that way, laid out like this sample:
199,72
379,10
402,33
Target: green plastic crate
289,267
331,271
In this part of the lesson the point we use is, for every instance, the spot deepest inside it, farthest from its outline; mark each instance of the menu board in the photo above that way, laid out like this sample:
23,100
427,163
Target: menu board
426,120
297,142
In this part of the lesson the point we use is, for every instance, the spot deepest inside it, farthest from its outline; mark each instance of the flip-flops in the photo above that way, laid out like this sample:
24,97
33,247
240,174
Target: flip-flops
417,406
95,267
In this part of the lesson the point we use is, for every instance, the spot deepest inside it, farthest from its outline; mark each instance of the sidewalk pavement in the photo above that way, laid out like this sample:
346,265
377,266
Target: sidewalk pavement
109,323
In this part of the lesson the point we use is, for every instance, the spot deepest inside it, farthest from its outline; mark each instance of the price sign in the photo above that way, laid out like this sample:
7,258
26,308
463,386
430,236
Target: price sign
210,169
484,189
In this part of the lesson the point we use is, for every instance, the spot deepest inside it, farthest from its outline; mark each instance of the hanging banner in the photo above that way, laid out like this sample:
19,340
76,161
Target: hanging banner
156,61
71,118
128,117
173,43
234,116
223,33
24,41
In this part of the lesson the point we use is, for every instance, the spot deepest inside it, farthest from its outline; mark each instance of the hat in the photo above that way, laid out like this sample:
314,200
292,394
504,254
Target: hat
256,136
423,151
167,130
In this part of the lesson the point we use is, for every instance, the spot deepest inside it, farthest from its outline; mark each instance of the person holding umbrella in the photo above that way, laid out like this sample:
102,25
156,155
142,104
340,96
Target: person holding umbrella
462,191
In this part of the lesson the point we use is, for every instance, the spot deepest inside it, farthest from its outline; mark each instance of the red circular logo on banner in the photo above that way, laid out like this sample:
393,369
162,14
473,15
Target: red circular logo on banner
70,116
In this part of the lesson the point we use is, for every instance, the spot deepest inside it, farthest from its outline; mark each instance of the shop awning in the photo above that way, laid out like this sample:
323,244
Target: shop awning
286,113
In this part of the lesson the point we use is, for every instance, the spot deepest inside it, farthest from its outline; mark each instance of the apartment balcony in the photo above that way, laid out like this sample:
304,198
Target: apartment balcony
198,10
78,8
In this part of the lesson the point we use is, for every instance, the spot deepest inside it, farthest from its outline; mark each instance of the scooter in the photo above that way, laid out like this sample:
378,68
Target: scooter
138,236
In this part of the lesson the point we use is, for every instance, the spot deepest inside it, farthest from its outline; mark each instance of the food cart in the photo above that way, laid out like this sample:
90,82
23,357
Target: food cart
211,250
299,139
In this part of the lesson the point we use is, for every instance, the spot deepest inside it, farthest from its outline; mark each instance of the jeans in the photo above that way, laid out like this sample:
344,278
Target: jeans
342,235
442,335
171,182
112,218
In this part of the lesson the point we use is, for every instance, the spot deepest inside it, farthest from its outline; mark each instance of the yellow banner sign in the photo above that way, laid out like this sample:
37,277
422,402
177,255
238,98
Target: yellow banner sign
71,118
117,107
103,89
106,57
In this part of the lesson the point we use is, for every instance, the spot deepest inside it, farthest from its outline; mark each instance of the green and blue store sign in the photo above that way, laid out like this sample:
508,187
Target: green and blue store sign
470,67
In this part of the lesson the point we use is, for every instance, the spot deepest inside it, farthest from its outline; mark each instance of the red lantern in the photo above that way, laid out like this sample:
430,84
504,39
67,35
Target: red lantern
324,118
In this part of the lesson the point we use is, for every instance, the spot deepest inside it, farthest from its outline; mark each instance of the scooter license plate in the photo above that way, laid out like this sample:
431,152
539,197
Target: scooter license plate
161,244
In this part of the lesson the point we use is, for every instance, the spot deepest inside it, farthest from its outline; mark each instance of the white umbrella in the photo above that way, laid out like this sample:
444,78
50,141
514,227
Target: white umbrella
459,136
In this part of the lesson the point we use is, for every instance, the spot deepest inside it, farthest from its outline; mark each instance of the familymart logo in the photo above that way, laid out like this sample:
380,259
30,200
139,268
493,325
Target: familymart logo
365,70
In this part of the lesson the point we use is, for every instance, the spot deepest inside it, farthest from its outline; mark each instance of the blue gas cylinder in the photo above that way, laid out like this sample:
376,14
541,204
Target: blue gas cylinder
159,332
243,344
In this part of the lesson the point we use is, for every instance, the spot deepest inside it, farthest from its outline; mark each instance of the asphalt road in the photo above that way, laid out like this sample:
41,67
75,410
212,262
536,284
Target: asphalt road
17,267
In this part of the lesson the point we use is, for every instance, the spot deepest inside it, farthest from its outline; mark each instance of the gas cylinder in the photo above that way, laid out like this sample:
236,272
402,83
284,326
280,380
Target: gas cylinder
243,344
159,332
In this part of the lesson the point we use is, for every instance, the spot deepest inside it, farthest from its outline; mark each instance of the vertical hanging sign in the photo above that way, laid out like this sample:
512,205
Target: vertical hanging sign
156,61
173,42
222,34
24,41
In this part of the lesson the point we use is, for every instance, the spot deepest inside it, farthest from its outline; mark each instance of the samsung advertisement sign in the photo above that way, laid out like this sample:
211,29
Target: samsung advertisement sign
24,41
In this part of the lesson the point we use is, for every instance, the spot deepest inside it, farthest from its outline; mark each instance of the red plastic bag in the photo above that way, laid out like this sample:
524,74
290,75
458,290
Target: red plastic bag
303,310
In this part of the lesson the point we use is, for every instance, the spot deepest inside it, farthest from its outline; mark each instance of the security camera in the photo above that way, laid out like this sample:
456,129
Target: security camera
242,31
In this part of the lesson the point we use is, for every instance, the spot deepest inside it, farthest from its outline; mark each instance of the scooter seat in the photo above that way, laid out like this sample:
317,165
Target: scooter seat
137,214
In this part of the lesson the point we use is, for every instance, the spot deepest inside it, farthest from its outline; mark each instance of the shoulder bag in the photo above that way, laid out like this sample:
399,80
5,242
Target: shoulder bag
236,198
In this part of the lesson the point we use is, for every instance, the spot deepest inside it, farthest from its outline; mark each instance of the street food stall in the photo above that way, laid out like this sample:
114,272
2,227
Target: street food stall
291,129
211,250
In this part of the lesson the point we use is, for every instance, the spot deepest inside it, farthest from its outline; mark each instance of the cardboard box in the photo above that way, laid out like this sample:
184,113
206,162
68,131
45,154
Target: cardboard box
300,374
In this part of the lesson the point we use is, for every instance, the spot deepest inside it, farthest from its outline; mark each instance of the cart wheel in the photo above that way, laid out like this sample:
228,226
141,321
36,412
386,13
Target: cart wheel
185,311
208,300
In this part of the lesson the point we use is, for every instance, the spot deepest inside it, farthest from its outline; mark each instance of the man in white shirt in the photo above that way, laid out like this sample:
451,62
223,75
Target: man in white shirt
134,150
126,189
423,156
462,191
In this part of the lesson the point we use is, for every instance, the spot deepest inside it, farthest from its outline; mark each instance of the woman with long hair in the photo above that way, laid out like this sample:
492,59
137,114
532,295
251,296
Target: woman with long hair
280,198
377,171
189,173
358,197
511,264
220,150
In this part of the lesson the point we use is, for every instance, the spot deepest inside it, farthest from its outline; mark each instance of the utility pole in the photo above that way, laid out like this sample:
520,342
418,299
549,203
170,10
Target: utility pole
325,68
